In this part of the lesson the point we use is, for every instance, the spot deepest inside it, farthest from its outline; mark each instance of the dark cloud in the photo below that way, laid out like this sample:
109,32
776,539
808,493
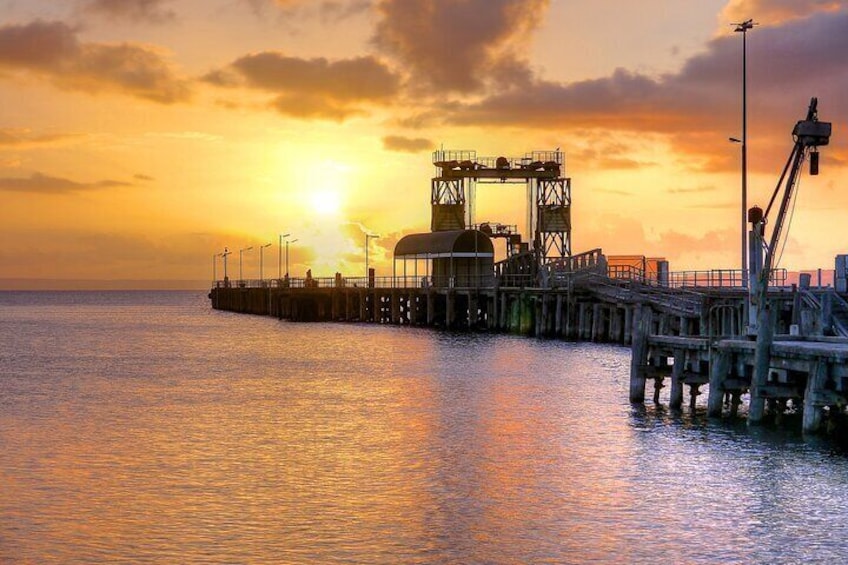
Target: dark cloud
142,177
457,45
39,183
151,11
312,88
406,144
699,107
52,50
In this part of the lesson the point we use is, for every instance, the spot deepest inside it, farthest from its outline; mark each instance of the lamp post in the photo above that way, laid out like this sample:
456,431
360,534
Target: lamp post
261,249
241,254
280,256
287,255
224,255
368,237
214,269
743,28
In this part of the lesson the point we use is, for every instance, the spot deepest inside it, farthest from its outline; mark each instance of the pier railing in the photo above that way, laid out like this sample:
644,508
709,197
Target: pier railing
397,282
576,272
720,278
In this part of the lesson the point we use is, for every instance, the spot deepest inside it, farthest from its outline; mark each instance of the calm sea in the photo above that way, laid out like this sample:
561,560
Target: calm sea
143,427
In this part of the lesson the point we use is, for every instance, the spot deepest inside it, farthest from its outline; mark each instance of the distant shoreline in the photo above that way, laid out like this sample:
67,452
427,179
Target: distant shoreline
92,284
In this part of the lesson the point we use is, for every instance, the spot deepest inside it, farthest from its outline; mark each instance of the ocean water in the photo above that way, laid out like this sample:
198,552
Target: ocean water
144,427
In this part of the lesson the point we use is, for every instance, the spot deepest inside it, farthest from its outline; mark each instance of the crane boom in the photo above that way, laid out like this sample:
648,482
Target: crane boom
808,134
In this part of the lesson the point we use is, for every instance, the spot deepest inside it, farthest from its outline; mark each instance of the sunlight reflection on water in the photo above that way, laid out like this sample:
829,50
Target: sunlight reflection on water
143,427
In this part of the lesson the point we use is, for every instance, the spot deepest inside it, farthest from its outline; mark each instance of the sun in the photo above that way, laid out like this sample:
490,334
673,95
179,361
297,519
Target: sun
326,202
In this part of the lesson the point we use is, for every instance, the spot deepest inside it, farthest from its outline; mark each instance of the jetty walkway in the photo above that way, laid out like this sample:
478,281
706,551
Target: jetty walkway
690,329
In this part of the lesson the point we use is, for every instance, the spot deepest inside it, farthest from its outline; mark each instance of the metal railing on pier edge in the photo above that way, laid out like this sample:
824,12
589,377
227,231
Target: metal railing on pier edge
715,278
399,282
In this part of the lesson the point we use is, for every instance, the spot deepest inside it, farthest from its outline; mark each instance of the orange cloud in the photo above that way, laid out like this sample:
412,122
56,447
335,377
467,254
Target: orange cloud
326,10
771,12
53,51
152,11
23,138
39,183
312,88
406,144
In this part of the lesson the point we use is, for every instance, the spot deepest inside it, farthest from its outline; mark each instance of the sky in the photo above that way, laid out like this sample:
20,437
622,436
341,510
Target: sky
140,137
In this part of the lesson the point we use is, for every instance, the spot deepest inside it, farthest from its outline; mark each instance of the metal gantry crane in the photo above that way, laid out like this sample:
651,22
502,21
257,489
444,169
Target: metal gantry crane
809,134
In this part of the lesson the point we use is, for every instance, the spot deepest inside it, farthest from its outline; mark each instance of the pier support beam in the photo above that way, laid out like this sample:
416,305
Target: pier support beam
494,311
676,394
597,322
639,353
544,322
583,323
720,365
628,324
762,362
503,315
395,298
813,411
558,316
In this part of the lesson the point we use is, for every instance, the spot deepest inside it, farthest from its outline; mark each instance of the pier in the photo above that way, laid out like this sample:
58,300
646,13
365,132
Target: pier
686,335
744,335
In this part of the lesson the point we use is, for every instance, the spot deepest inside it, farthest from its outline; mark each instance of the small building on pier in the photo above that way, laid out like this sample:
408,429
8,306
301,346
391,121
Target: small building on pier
446,259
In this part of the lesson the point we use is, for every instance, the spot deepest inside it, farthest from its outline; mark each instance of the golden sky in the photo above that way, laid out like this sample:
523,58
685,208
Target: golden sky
139,137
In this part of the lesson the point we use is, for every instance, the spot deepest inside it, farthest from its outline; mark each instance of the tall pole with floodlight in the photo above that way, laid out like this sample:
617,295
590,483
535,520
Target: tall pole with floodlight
743,28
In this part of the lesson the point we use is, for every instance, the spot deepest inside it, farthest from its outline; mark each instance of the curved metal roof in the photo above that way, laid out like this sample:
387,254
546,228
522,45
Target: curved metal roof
454,243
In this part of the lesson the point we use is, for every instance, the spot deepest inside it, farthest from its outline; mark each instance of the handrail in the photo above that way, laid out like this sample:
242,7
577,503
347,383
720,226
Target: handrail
396,282
578,267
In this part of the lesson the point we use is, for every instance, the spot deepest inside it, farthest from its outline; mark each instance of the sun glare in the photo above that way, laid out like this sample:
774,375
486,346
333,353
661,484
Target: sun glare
325,202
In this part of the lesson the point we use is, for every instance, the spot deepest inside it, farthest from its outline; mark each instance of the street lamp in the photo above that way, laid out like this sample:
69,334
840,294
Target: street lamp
287,255
214,269
368,237
743,28
261,249
224,255
241,253
280,257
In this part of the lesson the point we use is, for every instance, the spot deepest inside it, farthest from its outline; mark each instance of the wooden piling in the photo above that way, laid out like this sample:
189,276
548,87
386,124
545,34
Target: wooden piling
762,362
719,367
676,394
639,353
813,409
558,315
